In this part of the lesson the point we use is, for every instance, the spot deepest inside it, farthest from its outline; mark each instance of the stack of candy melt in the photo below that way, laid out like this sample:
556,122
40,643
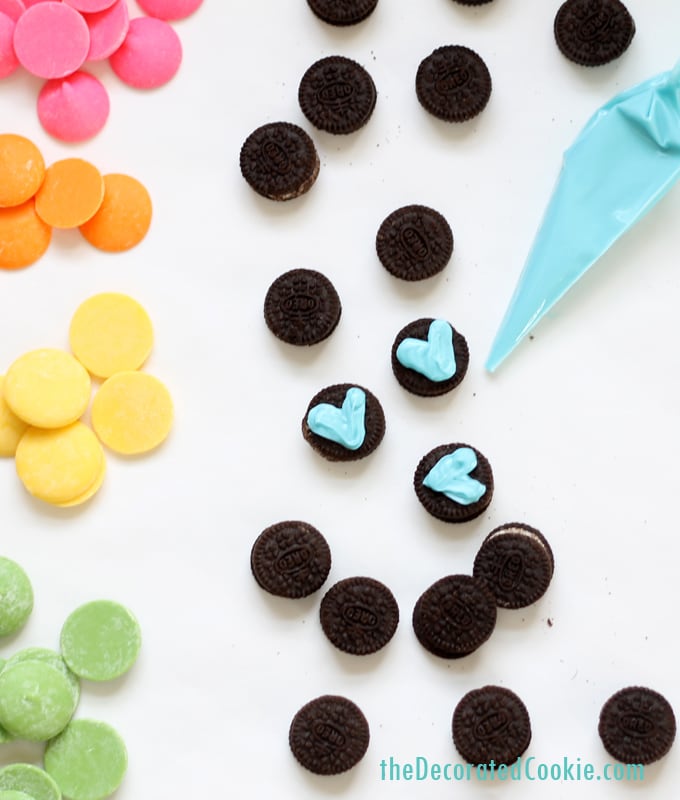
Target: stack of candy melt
113,212
84,759
46,392
54,39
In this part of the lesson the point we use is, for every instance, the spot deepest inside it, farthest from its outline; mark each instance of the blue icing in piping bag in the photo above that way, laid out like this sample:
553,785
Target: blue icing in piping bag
622,163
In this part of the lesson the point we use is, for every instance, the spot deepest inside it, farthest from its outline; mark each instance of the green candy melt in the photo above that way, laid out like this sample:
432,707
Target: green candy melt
87,760
16,597
36,700
52,658
10,794
5,736
28,779
100,640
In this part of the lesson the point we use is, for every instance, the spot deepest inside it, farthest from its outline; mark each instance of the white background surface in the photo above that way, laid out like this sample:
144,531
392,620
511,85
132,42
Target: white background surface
580,425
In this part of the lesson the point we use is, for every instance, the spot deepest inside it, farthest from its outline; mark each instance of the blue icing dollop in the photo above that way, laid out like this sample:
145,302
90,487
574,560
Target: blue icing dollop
434,358
345,425
451,476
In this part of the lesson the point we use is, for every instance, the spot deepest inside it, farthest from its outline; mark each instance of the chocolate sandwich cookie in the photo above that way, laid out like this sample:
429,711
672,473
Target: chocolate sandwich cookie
472,2
344,422
516,562
342,12
329,735
637,725
337,95
359,615
593,32
454,616
454,482
491,724
429,357
414,242
302,307
279,161
453,83
290,559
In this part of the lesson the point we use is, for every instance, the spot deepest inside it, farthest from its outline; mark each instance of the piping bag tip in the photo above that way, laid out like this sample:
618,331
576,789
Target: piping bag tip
511,332
595,200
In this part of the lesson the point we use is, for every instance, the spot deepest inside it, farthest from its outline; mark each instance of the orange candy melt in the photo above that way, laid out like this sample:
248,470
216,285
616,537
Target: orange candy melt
71,194
124,216
22,169
24,237
113,212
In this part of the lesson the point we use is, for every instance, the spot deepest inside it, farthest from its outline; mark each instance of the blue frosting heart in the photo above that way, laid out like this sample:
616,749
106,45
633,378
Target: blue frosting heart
345,425
434,358
451,476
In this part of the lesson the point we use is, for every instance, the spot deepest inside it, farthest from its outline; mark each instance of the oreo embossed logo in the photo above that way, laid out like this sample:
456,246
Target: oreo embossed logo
491,725
415,243
329,734
302,307
593,32
457,614
359,615
595,26
335,95
299,305
511,572
276,157
290,559
293,560
636,725
452,81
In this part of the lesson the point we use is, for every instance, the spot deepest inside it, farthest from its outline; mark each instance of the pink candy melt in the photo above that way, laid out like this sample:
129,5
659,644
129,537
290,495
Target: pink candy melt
150,55
90,6
51,40
8,61
169,9
107,30
13,8
74,108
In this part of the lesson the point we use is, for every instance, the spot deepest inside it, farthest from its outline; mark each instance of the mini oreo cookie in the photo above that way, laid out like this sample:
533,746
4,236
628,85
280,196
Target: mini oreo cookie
472,2
359,615
637,725
344,422
414,242
279,161
455,616
290,559
453,83
342,12
593,32
491,724
429,357
454,482
329,735
517,564
302,307
337,95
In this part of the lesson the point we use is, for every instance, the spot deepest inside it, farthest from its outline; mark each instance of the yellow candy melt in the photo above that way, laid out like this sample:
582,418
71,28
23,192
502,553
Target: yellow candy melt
132,413
59,466
11,427
111,333
47,388
91,492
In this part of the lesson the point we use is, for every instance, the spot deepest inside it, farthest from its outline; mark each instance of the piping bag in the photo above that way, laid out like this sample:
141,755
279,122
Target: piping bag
622,163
